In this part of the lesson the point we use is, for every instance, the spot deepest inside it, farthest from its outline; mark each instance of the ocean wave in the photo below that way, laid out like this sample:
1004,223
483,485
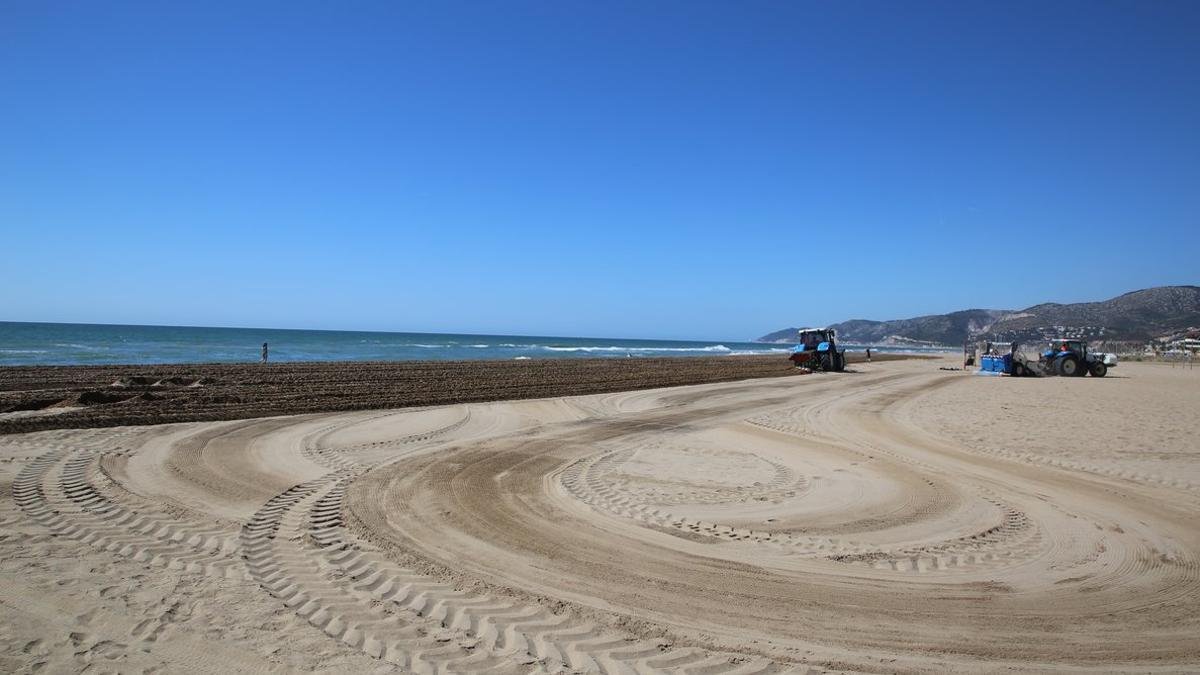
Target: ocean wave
520,358
752,352
87,348
709,349
23,351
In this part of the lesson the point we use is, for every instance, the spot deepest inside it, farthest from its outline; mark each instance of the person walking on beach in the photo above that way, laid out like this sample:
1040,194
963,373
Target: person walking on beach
868,354
264,356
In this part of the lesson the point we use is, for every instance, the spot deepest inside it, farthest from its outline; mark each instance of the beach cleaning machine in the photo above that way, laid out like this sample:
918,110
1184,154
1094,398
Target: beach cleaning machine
1063,357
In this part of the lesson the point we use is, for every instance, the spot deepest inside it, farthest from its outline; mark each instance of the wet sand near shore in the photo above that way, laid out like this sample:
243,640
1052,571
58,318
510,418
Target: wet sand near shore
894,519
54,397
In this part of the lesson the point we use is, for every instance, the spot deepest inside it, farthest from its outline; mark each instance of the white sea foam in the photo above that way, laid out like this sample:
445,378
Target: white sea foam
752,352
711,348
23,351
520,358
73,345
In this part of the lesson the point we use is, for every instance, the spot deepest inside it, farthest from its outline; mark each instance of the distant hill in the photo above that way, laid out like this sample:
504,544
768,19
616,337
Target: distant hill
1139,316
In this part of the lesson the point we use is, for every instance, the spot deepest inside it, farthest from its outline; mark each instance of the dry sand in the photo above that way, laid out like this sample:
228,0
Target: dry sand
897,518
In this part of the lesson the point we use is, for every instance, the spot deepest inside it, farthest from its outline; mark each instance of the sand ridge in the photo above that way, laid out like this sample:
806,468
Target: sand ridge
896,518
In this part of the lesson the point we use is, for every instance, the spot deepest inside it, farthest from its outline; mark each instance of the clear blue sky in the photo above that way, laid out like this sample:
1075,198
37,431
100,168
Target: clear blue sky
691,169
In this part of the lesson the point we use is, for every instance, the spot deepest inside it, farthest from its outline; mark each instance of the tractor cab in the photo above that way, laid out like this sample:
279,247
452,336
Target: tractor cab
817,350
816,339
1061,347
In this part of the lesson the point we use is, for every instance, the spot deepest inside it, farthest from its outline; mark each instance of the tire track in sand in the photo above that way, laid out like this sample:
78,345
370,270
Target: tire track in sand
58,491
496,506
298,549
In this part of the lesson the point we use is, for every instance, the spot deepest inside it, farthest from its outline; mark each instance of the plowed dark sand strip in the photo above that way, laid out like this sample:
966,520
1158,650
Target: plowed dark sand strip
34,398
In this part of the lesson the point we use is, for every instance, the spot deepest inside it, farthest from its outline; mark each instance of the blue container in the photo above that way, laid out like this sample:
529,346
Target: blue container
996,364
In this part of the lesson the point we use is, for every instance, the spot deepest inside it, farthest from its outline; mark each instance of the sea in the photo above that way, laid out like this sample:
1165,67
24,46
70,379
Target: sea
96,344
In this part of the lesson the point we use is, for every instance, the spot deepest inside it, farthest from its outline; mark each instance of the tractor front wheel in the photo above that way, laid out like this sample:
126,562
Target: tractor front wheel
1099,369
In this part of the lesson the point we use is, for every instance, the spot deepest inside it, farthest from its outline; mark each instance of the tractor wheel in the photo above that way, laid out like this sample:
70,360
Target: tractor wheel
1099,369
839,361
827,362
1018,370
1069,366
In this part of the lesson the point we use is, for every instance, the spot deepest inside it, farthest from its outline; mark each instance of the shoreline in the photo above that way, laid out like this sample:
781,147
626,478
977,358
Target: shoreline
38,398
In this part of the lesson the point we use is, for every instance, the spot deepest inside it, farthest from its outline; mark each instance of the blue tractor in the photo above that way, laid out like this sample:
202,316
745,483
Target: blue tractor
818,351
1072,358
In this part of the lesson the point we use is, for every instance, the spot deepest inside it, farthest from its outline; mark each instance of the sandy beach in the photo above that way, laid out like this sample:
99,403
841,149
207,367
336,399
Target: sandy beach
896,518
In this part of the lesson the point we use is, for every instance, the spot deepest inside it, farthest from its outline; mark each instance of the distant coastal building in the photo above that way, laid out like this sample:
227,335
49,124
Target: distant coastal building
1186,345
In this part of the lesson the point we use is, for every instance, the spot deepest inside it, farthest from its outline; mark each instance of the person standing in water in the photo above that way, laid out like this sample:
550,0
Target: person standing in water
264,356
